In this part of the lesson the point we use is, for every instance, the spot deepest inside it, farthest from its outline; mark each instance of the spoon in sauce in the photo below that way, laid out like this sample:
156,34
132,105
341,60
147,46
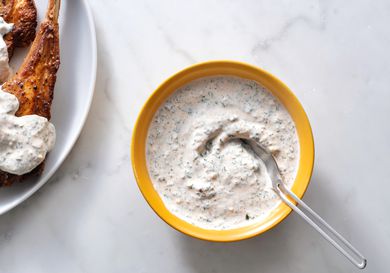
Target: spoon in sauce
288,197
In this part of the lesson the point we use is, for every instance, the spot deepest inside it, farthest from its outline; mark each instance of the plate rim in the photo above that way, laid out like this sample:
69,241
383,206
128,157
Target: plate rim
44,179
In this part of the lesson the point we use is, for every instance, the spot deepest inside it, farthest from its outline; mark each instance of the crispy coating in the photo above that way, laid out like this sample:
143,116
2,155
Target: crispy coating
23,14
34,82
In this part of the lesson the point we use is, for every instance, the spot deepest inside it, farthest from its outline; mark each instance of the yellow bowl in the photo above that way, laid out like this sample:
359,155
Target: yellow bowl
278,89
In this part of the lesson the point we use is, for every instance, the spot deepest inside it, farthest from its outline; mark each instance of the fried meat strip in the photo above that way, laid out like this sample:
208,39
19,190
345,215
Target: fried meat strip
23,14
34,82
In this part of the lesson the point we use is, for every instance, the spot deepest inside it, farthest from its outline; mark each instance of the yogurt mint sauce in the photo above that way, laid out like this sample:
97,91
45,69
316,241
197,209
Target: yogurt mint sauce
203,178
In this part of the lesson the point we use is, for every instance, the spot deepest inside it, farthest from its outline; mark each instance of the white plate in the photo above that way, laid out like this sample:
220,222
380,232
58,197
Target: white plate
73,92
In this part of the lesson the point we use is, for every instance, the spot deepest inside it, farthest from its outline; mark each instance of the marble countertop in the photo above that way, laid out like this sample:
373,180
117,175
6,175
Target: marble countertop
333,54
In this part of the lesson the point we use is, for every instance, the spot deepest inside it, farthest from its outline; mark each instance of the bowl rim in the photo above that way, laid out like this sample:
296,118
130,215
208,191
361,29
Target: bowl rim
214,68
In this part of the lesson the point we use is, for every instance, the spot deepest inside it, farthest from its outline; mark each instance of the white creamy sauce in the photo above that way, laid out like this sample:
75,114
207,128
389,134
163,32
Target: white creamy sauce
202,176
24,141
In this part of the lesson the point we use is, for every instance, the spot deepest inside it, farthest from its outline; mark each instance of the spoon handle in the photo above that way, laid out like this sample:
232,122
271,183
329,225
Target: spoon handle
341,244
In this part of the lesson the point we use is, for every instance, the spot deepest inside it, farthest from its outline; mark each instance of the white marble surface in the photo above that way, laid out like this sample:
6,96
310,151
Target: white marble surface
333,54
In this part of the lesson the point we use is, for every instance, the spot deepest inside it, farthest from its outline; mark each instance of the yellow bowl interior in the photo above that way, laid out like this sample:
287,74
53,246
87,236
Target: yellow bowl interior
212,68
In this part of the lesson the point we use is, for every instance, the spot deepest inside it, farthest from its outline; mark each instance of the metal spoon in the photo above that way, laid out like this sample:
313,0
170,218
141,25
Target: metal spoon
312,218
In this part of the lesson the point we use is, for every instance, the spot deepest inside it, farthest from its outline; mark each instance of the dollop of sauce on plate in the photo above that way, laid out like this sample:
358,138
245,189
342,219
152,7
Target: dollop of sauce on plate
24,141
202,176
